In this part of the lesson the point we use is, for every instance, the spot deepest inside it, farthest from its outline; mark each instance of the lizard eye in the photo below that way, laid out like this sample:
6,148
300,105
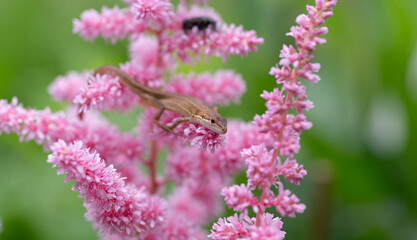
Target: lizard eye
212,121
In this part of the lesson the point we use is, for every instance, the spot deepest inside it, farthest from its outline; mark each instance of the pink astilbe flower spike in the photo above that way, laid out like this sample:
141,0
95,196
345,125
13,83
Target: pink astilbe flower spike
111,205
203,138
158,12
239,197
221,41
228,40
234,40
144,51
176,227
287,204
146,66
207,192
197,135
187,164
261,172
112,24
243,227
184,164
292,171
233,227
221,88
264,163
159,16
239,136
185,205
269,228
65,88
105,92
46,128
197,202
195,11
147,75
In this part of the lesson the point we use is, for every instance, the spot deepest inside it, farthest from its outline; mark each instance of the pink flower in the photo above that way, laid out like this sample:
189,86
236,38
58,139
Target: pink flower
197,135
228,159
89,26
261,167
112,206
144,50
159,12
105,92
190,164
227,40
221,88
264,164
268,228
203,138
195,11
146,65
233,227
206,190
176,228
45,128
233,40
184,204
243,227
300,123
275,101
239,197
195,202
113,24
65,88
146,75
292,172
287,204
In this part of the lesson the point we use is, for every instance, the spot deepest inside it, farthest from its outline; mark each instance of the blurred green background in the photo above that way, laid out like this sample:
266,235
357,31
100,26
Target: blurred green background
360,154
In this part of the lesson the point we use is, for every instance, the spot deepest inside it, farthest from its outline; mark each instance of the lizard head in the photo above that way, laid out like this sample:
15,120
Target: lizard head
212,120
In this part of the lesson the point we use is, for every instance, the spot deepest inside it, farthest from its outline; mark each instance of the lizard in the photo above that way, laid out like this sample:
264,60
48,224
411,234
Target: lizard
191,108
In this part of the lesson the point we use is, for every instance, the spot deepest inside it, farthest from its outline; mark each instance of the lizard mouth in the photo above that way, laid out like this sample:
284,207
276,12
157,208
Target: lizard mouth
223,131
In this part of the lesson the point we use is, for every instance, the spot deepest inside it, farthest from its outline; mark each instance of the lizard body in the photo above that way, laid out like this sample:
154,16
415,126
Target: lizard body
189,107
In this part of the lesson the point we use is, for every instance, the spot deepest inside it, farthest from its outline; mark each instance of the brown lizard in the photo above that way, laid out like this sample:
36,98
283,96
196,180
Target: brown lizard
189,107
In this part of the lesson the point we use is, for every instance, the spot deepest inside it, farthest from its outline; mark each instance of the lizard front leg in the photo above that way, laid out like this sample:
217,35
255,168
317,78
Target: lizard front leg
158,115
179,121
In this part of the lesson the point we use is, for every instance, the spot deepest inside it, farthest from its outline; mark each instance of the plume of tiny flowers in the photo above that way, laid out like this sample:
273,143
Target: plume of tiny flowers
111,205
243,227
223,87
105,92
65,88
111,24
46,128
159,17
264,163
157,12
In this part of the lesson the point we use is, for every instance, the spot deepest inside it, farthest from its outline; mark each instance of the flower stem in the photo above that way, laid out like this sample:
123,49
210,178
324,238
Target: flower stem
153,157
261,209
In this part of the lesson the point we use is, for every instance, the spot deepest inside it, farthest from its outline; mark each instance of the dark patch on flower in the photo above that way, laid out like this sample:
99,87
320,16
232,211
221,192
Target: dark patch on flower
202,24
